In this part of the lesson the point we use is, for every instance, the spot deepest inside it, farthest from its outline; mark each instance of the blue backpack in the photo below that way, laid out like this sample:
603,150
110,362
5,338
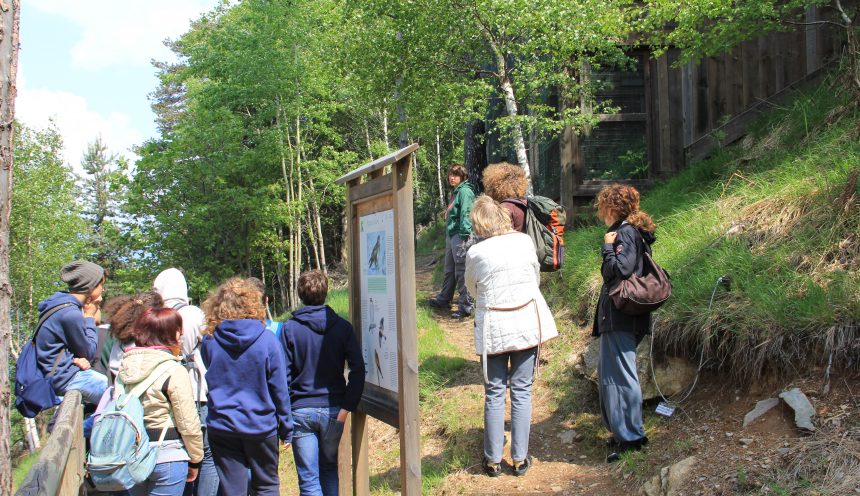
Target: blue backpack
120,455
34,391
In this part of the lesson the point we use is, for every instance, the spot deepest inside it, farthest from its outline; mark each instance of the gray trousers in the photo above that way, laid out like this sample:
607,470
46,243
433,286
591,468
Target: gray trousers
618,384
455,268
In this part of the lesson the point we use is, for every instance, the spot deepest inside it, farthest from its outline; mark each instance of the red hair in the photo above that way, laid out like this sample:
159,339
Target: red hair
157,327
623,201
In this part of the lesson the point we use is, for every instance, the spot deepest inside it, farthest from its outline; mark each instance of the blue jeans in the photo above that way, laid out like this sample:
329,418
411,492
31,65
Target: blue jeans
206,483
316,436
168,479
90,383
521,374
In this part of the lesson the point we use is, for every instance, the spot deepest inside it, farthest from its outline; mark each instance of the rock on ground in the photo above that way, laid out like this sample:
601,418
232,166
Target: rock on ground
803,410
674,374
760,409
670,479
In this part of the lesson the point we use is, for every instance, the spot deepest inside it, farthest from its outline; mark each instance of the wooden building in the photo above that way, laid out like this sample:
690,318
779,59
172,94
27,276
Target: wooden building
671,116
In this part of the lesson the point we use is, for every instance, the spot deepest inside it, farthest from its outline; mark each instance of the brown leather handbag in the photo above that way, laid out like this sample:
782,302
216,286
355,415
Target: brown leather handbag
638,295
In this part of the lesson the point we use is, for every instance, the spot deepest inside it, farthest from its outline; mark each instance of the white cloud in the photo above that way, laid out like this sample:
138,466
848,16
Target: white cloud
122,32
78,124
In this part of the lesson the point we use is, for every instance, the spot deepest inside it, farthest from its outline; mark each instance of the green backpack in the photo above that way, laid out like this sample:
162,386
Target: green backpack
544,223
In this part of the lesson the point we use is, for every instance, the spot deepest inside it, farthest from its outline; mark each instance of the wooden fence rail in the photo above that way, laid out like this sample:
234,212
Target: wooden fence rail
59,471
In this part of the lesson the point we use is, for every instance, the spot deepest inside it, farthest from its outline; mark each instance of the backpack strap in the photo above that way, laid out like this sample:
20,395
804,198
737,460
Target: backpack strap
141,387
179,306
47,314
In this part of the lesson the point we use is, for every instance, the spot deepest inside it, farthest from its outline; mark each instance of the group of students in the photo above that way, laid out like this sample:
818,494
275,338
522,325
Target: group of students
220,391
491,260
244,389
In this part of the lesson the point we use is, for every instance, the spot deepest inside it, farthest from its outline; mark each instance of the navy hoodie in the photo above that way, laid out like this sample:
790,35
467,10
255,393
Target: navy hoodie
67,332
247,378
317,342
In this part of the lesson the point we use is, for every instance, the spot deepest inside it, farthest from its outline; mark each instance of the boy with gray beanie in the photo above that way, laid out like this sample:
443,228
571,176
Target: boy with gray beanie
66,342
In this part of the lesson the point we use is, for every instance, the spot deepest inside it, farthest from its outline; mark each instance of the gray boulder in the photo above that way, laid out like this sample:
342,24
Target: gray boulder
674,374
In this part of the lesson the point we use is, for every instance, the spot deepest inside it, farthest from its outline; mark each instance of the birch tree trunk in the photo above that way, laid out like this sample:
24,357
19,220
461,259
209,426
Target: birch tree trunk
367,140
10,17
511,106
315,211
439,168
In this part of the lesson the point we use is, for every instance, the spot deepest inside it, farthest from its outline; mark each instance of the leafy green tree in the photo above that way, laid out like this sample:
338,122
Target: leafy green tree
103,194
461,54
46,227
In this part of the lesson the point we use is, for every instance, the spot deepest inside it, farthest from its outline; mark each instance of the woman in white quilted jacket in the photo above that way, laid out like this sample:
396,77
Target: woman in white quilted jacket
512,320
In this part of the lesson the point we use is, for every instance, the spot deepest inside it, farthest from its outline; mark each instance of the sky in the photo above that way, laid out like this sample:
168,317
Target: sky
86,64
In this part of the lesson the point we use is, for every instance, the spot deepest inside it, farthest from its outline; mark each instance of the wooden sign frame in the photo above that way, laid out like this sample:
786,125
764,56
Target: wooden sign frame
370,190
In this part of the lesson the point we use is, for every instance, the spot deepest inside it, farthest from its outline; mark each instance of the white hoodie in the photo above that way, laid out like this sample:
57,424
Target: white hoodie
173,288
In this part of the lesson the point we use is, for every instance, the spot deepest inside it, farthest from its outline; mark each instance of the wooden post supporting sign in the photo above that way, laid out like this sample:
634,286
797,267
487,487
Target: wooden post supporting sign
381,243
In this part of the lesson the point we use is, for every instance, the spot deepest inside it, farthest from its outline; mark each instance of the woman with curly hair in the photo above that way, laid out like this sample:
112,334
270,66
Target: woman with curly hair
249,398
630,235
507,184
121,312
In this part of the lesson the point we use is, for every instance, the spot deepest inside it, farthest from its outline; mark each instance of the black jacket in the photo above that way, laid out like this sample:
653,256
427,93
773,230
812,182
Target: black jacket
620,260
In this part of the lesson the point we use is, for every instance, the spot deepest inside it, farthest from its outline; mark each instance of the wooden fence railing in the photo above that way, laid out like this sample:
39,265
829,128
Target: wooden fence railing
59,471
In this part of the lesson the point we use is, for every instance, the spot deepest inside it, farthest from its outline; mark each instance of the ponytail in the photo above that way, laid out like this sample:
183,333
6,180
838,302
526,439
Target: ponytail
642,221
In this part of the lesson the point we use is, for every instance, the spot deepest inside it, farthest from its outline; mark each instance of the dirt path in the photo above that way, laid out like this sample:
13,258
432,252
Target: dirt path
567,437
561,466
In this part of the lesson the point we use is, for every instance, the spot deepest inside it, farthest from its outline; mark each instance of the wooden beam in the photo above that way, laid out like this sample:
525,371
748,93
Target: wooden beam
407,326
664,127
378,163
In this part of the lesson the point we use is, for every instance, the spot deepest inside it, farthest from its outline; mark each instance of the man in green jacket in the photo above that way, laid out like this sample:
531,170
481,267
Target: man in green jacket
457,230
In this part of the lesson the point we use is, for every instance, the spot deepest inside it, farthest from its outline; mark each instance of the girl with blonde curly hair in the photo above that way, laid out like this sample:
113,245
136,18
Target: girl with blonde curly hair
507,184
629,237
249,399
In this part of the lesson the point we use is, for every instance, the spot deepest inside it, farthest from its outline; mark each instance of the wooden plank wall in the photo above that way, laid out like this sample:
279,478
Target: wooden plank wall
725,93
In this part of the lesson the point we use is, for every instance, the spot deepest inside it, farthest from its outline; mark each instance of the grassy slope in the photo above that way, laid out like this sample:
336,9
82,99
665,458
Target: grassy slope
793,186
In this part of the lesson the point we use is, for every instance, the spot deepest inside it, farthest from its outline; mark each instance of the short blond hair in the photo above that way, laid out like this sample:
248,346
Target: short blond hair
489,218
235,299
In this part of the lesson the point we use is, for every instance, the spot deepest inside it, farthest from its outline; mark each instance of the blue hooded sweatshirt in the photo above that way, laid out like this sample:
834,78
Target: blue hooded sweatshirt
317,342
67,332
247,378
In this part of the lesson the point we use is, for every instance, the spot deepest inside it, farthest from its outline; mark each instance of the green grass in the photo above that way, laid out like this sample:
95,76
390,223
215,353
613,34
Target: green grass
22,467
455,418
794,268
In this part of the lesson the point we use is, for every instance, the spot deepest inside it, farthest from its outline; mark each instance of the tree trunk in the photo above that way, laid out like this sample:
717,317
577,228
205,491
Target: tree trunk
475,152
385,128
511,106
367,140
439,168
315,213
10,17
519,141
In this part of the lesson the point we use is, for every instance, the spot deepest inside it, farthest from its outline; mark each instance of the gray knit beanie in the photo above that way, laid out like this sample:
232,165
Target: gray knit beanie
82,276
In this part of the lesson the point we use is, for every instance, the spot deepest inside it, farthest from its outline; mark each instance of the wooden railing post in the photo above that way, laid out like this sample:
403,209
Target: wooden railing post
59,471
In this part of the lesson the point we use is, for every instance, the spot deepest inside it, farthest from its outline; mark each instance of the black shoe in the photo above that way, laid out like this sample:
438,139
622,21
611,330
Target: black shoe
623,447
491,469
433,302
522,467
611,443
459,314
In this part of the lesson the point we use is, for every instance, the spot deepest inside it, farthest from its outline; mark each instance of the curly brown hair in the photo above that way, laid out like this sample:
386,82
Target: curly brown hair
623,202
122,311
235,299
504,180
